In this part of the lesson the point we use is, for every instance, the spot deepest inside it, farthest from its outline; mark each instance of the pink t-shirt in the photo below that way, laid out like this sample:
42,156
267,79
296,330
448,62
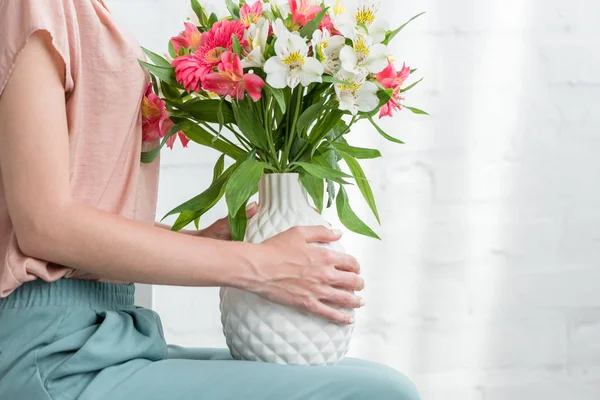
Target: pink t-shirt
104,85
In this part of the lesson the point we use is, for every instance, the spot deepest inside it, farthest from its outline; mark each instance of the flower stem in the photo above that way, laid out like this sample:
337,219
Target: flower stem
299,95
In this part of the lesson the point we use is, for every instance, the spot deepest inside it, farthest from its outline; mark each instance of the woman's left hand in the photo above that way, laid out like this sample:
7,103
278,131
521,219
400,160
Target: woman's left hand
220,228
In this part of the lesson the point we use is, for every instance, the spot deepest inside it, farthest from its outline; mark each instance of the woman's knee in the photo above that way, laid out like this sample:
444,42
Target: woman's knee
380,383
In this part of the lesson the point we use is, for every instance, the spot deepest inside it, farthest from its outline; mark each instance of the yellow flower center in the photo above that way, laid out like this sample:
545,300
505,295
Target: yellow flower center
321,51
366,16
214,55
352,87
250,19
149,110
361,48
294,59
338,8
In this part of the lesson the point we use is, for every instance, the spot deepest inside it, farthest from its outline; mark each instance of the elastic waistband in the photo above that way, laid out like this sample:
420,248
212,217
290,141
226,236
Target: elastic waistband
71,292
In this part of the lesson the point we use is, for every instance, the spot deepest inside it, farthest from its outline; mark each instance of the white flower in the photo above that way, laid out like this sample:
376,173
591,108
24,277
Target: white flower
357,94
327,49
292,66
274,6
364,13
363,56
256,35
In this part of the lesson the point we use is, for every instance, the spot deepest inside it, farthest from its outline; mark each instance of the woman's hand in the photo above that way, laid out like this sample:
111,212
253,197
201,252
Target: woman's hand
293,272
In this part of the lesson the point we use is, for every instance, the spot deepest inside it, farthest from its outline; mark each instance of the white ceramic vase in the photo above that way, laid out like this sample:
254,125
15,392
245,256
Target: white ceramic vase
259,330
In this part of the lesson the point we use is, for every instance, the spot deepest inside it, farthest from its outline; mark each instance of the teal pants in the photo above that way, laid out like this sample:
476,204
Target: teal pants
76,339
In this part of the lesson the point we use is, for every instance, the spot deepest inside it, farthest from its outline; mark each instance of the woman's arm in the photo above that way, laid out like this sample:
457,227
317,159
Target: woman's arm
51,225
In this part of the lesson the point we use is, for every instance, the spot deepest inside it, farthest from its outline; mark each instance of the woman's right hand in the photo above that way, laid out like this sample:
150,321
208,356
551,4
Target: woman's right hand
293,272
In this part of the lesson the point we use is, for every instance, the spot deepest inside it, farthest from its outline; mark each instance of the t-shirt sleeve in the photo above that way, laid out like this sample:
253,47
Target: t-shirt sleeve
19,19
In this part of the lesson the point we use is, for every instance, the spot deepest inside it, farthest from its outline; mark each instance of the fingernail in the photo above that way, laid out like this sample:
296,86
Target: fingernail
251,206
362,302
351,320
337,232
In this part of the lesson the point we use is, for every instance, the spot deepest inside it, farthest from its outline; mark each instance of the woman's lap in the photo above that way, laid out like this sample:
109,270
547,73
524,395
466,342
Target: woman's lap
212,374
67,351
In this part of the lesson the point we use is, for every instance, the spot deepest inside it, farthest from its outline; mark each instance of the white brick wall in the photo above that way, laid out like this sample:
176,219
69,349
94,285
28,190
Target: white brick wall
486,284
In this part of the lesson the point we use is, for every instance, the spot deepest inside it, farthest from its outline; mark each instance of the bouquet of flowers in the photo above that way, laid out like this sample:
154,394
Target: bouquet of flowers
276,86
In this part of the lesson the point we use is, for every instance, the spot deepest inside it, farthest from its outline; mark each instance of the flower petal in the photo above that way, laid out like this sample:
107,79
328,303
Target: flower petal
254,85
366,97
349,59
378,58
277,72
311,71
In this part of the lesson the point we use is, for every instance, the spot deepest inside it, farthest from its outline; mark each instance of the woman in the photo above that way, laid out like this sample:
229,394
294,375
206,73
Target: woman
77,226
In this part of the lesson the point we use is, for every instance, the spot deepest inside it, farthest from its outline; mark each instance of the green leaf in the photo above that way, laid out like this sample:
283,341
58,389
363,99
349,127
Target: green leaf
390,35
331,79
330,193
309,115
149,156
220,115
219,167
202,136
208,110
250,125
213,19
308,29
297,145
156,59
166,74
349,218
183,220
278,95
361,182
199,11
233,8
406,89
197,223
238,223
172,50
357,152
415,110
169,91
323,172
244,183
237,47
315,188
382,133
206,200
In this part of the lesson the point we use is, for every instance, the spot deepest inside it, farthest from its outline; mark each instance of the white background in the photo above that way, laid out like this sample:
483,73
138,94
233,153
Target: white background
486,285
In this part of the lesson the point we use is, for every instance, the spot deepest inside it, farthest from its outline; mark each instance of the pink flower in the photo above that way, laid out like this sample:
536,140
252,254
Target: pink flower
251,14
189,38
191,70
231,80
303,12
155,120
327,23
390,79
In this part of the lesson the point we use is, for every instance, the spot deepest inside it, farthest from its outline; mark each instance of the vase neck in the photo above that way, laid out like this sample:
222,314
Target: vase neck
282,191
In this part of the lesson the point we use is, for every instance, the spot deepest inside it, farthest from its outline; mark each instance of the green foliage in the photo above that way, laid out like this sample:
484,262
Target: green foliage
349,218
308,29
390,35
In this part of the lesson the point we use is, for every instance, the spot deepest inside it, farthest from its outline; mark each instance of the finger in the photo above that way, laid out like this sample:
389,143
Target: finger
251,209
320,233
348,280
329,313
345,262
343,299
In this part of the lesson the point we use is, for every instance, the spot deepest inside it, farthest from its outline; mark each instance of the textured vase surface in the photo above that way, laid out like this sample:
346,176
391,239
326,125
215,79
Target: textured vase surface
259,330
